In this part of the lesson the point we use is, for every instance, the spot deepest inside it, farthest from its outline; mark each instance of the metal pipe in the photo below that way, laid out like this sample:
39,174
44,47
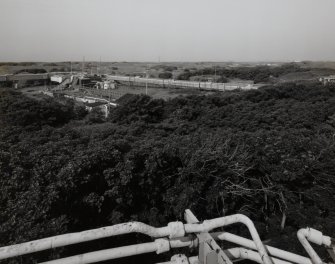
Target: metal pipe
74,238
232,253
106,254
315,236
208,225
175,229
275,252
242,253
159,246
181,259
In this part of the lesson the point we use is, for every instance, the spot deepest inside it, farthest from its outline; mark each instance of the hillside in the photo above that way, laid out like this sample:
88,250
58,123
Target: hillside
266,153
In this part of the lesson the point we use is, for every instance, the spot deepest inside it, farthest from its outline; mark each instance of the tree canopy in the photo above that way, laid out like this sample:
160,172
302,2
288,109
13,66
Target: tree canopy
267,153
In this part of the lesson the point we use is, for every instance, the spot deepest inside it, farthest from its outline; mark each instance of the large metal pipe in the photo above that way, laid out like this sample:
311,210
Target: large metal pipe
159,246
181,259
188,242
275,252
242,253
315,236
74,238
174,229
208,225
232,253
106,254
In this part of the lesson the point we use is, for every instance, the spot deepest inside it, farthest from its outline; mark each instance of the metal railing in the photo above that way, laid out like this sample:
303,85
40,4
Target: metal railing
178,235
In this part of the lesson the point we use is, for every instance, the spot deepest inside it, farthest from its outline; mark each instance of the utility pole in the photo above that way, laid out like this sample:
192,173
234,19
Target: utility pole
100,66
109,101
146,82
83,66
215,71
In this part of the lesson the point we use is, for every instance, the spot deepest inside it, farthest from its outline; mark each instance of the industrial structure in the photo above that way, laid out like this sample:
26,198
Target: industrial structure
103,90
19,80
171,83
192,234
327,79
109,81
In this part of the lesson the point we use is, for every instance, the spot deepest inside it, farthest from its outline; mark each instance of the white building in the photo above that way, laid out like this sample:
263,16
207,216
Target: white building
100,105
105,85
327,79
56,78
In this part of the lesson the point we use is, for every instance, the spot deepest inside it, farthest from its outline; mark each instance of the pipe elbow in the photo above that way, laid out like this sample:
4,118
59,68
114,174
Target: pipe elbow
245,220
314,236
308,234
302,234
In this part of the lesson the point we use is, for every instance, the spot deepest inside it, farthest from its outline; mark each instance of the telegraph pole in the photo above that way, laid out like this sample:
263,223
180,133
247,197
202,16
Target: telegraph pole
83,66
215,71
146,82
100,66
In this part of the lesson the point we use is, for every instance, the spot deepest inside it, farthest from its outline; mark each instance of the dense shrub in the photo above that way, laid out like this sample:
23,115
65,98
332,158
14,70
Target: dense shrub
165,75
33,71
257,73
267,153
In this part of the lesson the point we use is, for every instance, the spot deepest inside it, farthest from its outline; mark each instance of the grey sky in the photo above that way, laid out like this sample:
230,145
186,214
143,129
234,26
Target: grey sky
174,30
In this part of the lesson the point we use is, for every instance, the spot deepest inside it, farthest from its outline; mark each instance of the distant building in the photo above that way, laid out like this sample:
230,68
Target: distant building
105,85
327,79
57,78
100,105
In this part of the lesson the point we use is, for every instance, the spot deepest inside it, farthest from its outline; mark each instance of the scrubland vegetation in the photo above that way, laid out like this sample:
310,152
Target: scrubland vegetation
267,153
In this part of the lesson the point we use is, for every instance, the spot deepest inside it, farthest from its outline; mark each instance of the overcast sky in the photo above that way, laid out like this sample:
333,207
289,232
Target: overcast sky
172,30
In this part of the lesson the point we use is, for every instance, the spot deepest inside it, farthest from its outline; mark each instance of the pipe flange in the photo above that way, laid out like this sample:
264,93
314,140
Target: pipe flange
176,229
163,245
315,236
179,259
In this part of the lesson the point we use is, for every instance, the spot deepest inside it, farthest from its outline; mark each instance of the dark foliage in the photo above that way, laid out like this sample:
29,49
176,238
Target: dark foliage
257,74
33,71
165,75
264,153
